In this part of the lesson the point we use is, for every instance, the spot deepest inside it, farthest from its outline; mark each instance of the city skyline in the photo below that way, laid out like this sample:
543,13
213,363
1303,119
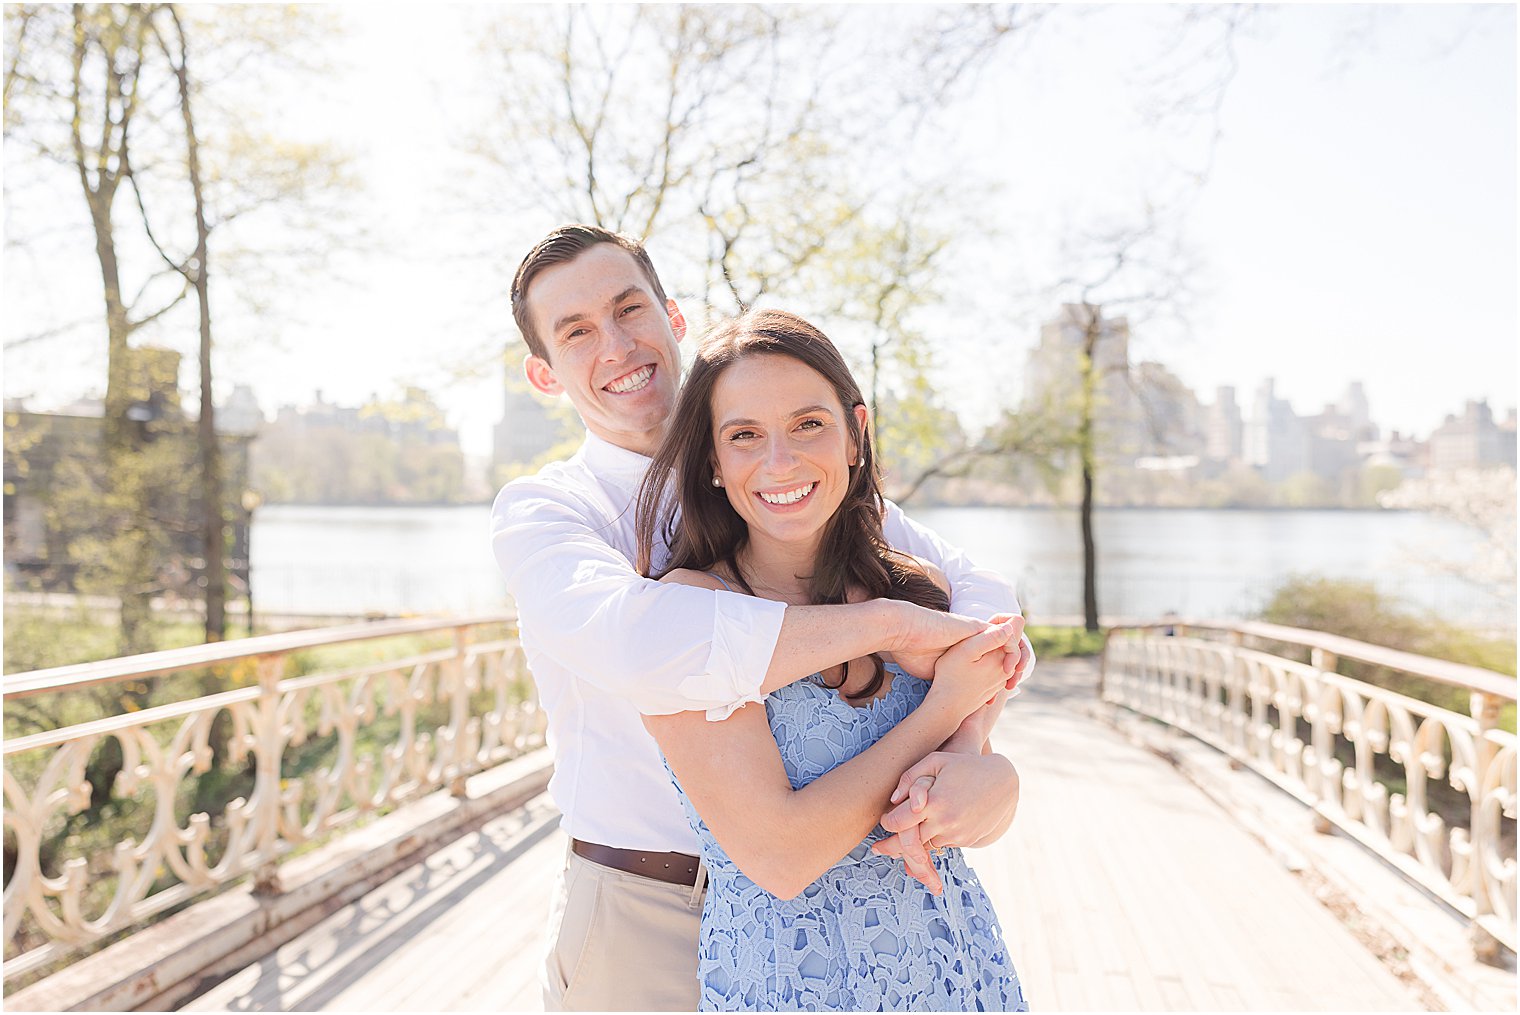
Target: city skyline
246,398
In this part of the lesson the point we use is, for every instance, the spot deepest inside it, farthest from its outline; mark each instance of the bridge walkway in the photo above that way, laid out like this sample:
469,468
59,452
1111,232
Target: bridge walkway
1121,886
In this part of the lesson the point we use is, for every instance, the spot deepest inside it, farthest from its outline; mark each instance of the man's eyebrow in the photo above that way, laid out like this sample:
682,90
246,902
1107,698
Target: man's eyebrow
632,290
567,319
805,410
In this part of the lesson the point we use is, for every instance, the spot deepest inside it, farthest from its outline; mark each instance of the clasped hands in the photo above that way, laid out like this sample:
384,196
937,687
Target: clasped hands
974,796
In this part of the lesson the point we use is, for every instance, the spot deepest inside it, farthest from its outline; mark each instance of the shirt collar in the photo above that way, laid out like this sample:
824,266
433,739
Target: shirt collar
610,462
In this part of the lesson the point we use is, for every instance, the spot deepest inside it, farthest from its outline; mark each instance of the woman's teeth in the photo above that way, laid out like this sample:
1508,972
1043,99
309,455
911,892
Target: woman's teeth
790,497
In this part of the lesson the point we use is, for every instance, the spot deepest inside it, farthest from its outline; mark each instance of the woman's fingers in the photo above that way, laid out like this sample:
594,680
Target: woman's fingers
993,638
916,860
914,854
1014,663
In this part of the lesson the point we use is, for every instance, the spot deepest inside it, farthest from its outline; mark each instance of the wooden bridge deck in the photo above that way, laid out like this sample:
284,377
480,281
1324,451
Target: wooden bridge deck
1121,886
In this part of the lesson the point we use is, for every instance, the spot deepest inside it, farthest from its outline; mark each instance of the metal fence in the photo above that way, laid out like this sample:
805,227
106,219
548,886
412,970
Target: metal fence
1430,789
176,773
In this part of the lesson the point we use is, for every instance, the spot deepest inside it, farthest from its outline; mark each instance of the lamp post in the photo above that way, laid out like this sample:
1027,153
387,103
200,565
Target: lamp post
251,501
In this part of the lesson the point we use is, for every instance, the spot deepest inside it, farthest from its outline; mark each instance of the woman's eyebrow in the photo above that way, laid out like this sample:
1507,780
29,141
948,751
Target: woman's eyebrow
755,422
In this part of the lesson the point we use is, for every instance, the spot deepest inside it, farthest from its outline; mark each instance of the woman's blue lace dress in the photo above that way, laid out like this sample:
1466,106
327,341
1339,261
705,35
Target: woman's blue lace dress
864,936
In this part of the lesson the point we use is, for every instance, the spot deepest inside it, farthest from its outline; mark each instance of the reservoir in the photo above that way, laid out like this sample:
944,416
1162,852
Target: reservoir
1197,562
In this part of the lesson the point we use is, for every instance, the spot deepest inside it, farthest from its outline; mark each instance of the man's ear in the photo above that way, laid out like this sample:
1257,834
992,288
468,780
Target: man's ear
863,417
541,375
677,319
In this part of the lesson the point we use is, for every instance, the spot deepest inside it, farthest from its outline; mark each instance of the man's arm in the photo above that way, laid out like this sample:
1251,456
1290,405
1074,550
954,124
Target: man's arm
673,648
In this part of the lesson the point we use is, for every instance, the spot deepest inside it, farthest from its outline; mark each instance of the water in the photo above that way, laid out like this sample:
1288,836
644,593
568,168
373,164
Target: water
1208,563
1195,562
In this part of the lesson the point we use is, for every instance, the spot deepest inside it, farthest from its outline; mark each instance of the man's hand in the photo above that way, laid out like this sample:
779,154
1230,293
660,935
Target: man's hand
972,803
921,635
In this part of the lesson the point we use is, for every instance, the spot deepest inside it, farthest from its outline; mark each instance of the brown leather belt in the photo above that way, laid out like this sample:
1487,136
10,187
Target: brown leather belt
672,868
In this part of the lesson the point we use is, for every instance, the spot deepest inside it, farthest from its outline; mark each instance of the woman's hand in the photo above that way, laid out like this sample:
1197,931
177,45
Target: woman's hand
949,800
969,673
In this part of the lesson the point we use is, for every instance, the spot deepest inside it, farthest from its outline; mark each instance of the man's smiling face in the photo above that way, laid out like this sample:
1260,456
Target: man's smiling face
612,347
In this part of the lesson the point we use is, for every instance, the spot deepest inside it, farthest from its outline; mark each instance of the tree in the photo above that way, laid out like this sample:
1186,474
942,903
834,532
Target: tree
83,67
692,125
1481,499
256,173
196,271
111,88
1136,269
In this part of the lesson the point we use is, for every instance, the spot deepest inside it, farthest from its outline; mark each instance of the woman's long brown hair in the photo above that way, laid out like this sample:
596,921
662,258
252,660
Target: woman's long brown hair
706,531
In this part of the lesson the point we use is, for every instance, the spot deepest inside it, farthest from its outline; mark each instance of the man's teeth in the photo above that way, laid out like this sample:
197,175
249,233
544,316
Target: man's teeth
632,382
790,497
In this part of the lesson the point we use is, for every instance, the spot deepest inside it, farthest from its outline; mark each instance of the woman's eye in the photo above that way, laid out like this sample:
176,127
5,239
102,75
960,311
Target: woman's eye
741,435
810,424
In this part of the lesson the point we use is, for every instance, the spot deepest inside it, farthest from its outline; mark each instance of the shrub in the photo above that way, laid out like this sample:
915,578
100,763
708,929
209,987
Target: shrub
1356,609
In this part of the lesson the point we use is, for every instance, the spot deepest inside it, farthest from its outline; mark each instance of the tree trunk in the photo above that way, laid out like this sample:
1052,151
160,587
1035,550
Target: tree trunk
1085,444
1089,554
213,522
122,437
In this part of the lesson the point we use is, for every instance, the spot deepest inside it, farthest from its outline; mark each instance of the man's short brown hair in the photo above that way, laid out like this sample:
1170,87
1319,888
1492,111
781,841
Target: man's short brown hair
563,245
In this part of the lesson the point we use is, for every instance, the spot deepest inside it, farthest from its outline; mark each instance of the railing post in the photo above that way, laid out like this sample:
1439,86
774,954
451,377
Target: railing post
267,789
459,713
1485,833
1235,676
1108,635
1325,661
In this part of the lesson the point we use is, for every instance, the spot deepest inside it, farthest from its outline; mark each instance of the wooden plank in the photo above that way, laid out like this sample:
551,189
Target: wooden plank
1120,886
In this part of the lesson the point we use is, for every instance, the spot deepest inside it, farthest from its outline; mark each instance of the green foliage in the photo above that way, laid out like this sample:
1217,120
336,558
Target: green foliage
1375,480
1238,486
1061,642
1304,489
1357,610
38,639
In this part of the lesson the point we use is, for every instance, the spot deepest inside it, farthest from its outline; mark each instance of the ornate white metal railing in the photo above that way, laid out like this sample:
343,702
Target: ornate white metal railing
311,751
1369,760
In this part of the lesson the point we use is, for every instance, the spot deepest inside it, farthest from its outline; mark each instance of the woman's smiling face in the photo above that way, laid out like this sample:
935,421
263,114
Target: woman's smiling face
783,445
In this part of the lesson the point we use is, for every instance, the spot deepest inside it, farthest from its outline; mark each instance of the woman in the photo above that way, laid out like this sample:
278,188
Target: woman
772,469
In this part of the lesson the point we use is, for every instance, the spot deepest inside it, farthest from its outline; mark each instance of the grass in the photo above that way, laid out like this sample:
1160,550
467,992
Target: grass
1061,642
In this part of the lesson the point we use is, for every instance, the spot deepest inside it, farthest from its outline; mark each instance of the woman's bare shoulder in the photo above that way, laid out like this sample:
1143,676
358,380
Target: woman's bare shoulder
692,577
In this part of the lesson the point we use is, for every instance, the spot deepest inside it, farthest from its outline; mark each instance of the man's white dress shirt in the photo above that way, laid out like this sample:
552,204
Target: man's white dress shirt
605,644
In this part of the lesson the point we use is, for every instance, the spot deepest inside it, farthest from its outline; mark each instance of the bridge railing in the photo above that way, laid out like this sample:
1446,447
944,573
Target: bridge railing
1430,789
153,779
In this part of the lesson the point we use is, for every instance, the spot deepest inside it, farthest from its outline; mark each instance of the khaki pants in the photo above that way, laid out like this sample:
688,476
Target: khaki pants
622,942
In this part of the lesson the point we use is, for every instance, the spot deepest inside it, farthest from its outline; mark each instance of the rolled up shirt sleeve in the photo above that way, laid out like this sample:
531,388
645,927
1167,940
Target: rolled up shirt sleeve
666,648
974,591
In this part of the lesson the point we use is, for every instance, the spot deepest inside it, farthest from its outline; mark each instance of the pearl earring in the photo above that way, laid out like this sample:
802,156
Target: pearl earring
717,481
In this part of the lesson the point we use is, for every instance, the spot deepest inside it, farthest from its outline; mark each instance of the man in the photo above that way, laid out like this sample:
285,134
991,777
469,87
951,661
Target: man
606,645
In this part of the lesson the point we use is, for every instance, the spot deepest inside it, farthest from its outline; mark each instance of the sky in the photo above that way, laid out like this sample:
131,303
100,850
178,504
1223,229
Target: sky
1357,222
